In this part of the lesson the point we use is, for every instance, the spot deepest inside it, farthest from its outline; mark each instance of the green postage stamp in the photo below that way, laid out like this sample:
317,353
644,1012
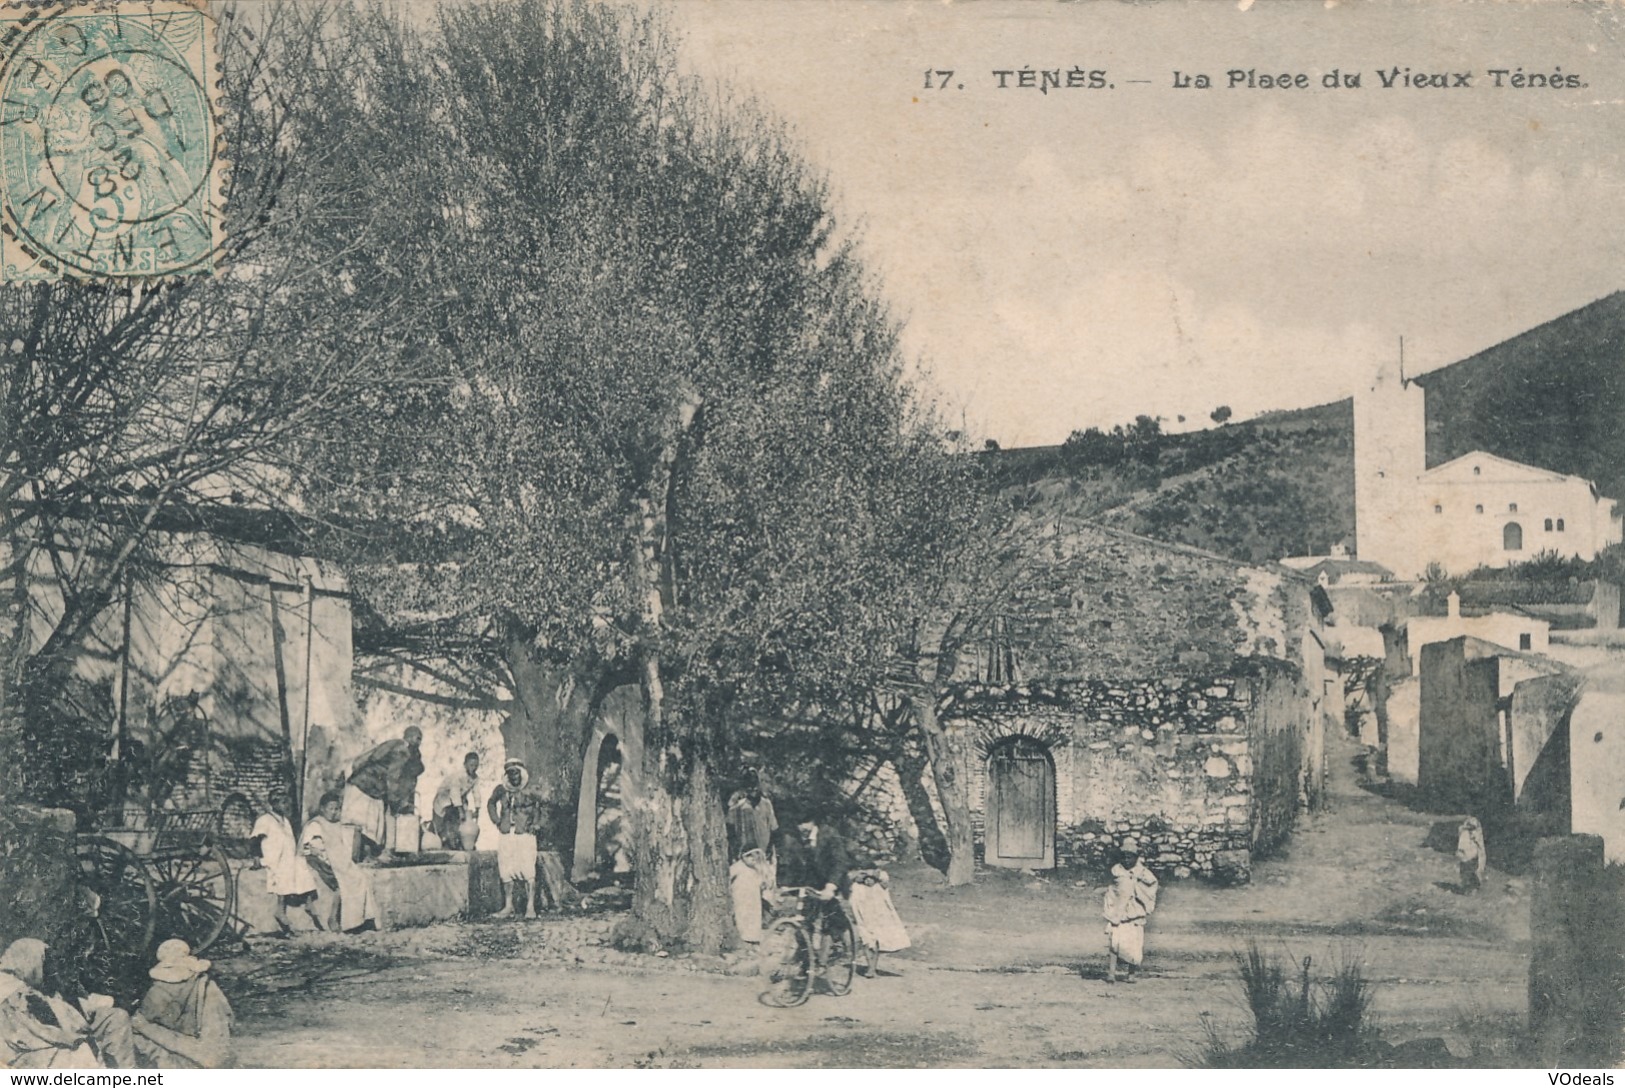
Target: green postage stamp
110,146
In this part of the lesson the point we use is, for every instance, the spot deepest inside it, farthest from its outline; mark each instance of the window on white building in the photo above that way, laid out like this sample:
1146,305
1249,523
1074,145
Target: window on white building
1437,509
1512,537
1526,641
1476,470
1479,509
1560,525
1512,508
1548,525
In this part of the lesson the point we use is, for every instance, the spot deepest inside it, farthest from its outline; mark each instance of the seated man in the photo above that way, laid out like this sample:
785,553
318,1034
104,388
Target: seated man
41,1031
455,802
328,846
185,1020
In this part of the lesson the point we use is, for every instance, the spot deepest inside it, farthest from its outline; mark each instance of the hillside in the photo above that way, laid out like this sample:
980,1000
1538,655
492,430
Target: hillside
1281,484
1553,396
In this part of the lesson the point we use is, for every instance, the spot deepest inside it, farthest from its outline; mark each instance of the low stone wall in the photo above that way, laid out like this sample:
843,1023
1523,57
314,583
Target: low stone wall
408,895
1169,762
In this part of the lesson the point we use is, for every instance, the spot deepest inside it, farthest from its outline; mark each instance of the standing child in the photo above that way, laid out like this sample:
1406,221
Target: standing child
1471,857
748,887
875,919
330,848
287,877
1128,903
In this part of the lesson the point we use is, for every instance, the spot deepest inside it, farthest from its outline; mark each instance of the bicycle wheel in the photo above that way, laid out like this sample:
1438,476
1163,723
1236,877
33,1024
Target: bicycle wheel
843,954
787,963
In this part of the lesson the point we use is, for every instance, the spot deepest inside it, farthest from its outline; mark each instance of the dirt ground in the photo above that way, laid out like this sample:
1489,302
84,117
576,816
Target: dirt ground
1004,973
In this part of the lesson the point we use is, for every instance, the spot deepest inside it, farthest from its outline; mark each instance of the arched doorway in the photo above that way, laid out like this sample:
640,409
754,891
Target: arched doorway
1512,537
1020,818
609,782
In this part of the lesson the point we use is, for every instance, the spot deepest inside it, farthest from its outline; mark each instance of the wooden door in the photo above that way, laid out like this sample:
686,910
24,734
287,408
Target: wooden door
1021,804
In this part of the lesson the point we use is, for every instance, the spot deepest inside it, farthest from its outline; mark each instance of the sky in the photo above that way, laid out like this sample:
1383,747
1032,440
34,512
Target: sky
1077,258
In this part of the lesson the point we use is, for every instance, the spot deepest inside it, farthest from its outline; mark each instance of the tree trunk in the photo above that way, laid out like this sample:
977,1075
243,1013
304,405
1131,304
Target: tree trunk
679,836
951,792
550,721
680,854
548,729
910,767
14,646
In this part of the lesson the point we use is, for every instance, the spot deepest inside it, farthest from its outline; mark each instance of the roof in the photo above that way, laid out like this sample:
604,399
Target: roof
1334,565
1474,647
1509,469
1202,554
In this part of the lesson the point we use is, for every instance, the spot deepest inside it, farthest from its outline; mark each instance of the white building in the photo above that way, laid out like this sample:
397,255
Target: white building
1513,629
1477,510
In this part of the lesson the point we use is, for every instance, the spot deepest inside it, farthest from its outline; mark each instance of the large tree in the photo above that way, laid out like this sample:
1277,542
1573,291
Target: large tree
674,428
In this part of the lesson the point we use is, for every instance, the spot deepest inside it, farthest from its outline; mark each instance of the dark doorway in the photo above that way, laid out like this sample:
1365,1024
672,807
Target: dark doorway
613,856
1512,537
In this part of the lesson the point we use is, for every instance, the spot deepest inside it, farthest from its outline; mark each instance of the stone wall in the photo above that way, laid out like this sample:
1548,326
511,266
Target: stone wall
1597,769
1094,603
1576,964
1459,765
1205,772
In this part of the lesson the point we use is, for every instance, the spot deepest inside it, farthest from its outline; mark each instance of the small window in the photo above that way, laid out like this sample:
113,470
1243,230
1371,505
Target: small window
1548,525
1526,641
1381,475
1437,509
1476,470
1512,508
1479,509
1560,525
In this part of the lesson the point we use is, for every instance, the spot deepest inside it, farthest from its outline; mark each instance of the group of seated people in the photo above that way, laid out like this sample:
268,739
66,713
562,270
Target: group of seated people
183,1021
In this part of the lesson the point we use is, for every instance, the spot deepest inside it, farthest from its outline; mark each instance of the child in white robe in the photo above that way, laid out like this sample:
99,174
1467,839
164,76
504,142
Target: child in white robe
1128,903
874,917
288,877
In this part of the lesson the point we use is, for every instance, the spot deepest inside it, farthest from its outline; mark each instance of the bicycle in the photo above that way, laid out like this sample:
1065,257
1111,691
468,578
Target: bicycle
799,950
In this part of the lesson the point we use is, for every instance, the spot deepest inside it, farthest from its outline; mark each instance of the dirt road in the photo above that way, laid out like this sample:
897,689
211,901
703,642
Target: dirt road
1005,972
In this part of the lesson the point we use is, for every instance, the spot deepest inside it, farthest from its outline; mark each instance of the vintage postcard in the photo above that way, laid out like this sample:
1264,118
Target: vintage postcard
772,533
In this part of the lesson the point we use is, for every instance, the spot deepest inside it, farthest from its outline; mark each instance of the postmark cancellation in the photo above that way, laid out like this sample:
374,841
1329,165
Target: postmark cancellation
110,144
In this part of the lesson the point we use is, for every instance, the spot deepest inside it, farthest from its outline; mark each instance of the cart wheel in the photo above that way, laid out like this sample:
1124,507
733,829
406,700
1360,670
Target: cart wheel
117,915
197,895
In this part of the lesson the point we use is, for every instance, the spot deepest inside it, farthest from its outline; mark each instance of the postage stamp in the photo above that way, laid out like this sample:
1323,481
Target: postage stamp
110,144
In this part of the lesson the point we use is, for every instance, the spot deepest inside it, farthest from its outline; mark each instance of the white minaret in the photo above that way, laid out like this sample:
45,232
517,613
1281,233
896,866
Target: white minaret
1390,452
